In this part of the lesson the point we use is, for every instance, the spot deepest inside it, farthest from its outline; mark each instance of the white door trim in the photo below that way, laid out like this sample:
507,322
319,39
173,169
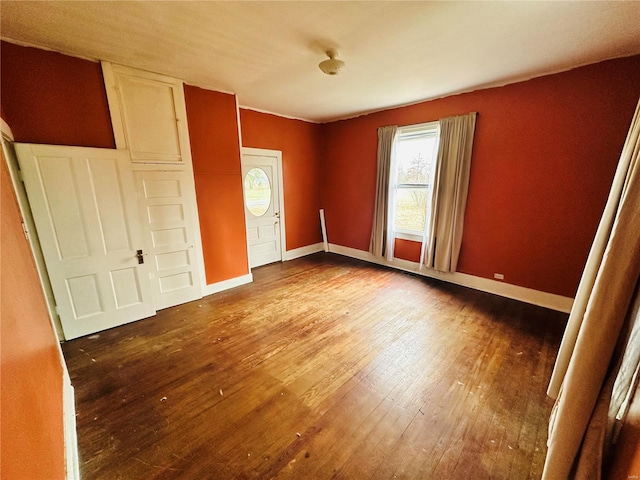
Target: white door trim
278,156
15,173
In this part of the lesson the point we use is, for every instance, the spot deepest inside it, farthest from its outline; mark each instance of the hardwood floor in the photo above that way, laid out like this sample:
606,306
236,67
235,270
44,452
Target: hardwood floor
324,367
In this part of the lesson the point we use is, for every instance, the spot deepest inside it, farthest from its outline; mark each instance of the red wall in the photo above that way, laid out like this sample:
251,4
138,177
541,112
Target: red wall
215,148
300,144
52,98
544,155
31,430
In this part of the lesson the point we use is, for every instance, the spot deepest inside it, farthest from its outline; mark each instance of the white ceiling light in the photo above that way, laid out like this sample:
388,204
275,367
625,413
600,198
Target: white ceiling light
333,65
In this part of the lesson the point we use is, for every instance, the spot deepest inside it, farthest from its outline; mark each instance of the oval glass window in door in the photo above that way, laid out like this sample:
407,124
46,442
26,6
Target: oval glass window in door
257,192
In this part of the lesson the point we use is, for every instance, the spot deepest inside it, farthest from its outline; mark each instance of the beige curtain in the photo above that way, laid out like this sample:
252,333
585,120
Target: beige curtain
578,425
593,261
450,188
382,241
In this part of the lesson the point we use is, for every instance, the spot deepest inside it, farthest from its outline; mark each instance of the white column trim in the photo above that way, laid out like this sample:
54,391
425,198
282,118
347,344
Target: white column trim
114,105
72,458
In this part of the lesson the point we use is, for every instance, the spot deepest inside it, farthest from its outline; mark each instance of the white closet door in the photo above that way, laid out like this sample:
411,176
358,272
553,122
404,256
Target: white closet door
84,206
164,208
148,114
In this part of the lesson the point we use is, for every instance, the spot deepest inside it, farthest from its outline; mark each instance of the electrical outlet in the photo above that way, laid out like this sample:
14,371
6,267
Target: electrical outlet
498,276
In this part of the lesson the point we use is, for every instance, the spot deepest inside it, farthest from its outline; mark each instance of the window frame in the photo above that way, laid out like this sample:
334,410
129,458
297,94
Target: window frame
408,132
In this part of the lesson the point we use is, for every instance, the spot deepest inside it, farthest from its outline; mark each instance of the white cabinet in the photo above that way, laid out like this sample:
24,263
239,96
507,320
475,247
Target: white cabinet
148,115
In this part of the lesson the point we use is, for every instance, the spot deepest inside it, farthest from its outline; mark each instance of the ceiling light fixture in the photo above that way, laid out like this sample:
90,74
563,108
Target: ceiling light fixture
333,65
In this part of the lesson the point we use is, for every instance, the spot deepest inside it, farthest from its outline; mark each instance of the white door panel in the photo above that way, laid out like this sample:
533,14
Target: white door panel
147,102
168,223
84,206
260,178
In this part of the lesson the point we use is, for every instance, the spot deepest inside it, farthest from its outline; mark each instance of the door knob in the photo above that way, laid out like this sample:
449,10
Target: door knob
140,256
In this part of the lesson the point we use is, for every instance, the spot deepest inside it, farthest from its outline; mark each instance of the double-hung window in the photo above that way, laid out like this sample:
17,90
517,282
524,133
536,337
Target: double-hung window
412,173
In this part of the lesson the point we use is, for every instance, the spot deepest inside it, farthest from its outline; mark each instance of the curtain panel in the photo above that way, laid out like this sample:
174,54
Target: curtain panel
594,260
599,353
450,189
382,241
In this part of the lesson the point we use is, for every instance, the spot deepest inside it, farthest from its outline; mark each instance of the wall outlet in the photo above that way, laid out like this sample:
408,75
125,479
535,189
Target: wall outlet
498,276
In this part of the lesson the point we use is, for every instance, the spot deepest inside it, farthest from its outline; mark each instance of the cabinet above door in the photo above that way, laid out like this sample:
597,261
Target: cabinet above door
147,113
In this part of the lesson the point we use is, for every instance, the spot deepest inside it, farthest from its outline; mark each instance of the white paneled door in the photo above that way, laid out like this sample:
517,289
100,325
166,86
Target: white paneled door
166,204
260,178
149,118
85,209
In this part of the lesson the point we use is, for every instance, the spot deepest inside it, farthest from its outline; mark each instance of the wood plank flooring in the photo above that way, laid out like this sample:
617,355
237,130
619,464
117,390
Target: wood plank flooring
324,367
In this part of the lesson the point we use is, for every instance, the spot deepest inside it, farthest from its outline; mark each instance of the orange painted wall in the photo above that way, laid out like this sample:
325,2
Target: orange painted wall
545,152
31,425
300,143
407,250
215,148
544,155
52,98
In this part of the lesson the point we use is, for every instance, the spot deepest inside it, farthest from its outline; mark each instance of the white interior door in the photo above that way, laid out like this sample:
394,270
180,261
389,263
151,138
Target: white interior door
84,206
166,212
260,178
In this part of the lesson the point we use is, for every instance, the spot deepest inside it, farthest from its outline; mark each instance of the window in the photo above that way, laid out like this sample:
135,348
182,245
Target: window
257,192
415,155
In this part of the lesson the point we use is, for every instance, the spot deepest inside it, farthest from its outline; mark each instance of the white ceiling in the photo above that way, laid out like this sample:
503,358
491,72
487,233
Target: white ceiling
396,52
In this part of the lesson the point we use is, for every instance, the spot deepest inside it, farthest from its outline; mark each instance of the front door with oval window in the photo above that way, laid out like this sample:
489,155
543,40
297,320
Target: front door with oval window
262,208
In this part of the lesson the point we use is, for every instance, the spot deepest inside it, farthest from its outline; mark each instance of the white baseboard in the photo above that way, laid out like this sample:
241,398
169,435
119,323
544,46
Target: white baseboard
72,460
301,252
527,295
227,284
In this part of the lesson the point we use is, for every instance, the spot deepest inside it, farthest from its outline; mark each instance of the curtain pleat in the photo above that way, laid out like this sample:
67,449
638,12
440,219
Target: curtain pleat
382,242
449,196
576,438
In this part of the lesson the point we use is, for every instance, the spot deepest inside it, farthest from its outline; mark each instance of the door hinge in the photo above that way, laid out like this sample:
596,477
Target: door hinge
20,176
26,232
57,309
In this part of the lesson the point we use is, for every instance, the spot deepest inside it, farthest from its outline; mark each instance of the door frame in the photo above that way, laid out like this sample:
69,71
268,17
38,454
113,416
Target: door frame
11,161
263,152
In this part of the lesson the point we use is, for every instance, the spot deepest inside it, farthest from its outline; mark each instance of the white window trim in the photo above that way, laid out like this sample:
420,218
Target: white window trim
409,131
408,235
